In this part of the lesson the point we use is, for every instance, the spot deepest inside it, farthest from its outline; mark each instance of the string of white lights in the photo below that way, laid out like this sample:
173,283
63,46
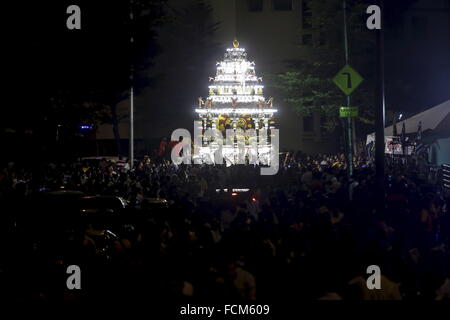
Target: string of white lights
219,111
235,77
238,98
231,87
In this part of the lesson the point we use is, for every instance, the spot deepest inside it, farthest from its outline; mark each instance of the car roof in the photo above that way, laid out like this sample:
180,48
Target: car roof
65,193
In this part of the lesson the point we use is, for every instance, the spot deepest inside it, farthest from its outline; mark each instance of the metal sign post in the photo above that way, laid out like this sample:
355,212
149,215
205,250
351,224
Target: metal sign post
380,116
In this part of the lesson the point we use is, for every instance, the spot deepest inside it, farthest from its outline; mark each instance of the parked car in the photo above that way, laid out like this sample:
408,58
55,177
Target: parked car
53,210
53,219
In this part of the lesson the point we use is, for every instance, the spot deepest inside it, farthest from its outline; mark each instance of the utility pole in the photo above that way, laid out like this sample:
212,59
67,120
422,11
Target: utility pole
349,120
131,151
380,115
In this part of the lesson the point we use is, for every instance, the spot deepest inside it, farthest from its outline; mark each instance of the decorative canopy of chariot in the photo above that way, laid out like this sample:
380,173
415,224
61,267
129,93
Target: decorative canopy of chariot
236,97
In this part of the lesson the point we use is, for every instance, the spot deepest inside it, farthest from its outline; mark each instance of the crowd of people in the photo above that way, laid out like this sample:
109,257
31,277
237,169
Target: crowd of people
310,232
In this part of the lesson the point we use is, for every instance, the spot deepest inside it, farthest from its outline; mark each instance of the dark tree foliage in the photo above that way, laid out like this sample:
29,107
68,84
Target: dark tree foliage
190,51
307,86
61,76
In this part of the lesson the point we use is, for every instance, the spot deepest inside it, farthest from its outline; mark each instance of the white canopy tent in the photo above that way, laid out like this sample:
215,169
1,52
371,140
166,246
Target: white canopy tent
435,118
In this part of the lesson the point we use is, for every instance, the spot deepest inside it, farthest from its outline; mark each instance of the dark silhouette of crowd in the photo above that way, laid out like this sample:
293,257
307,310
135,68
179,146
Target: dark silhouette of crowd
307,233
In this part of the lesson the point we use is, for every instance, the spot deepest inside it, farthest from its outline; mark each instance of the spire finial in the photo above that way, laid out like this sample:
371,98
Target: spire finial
235,43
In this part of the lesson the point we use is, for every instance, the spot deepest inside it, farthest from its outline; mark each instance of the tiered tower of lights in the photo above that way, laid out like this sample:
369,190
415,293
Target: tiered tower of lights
236,101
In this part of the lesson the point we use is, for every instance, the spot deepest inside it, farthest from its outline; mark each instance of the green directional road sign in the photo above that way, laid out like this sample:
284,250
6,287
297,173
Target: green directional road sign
348,112
348,79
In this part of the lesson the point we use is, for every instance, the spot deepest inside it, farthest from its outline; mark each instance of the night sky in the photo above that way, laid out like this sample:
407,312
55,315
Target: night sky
42,57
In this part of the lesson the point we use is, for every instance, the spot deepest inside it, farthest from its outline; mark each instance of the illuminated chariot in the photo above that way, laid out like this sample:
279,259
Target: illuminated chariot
236,119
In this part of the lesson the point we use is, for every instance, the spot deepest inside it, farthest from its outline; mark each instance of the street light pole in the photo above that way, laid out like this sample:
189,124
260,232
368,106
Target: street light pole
131,151
380,115
131,127
349,120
